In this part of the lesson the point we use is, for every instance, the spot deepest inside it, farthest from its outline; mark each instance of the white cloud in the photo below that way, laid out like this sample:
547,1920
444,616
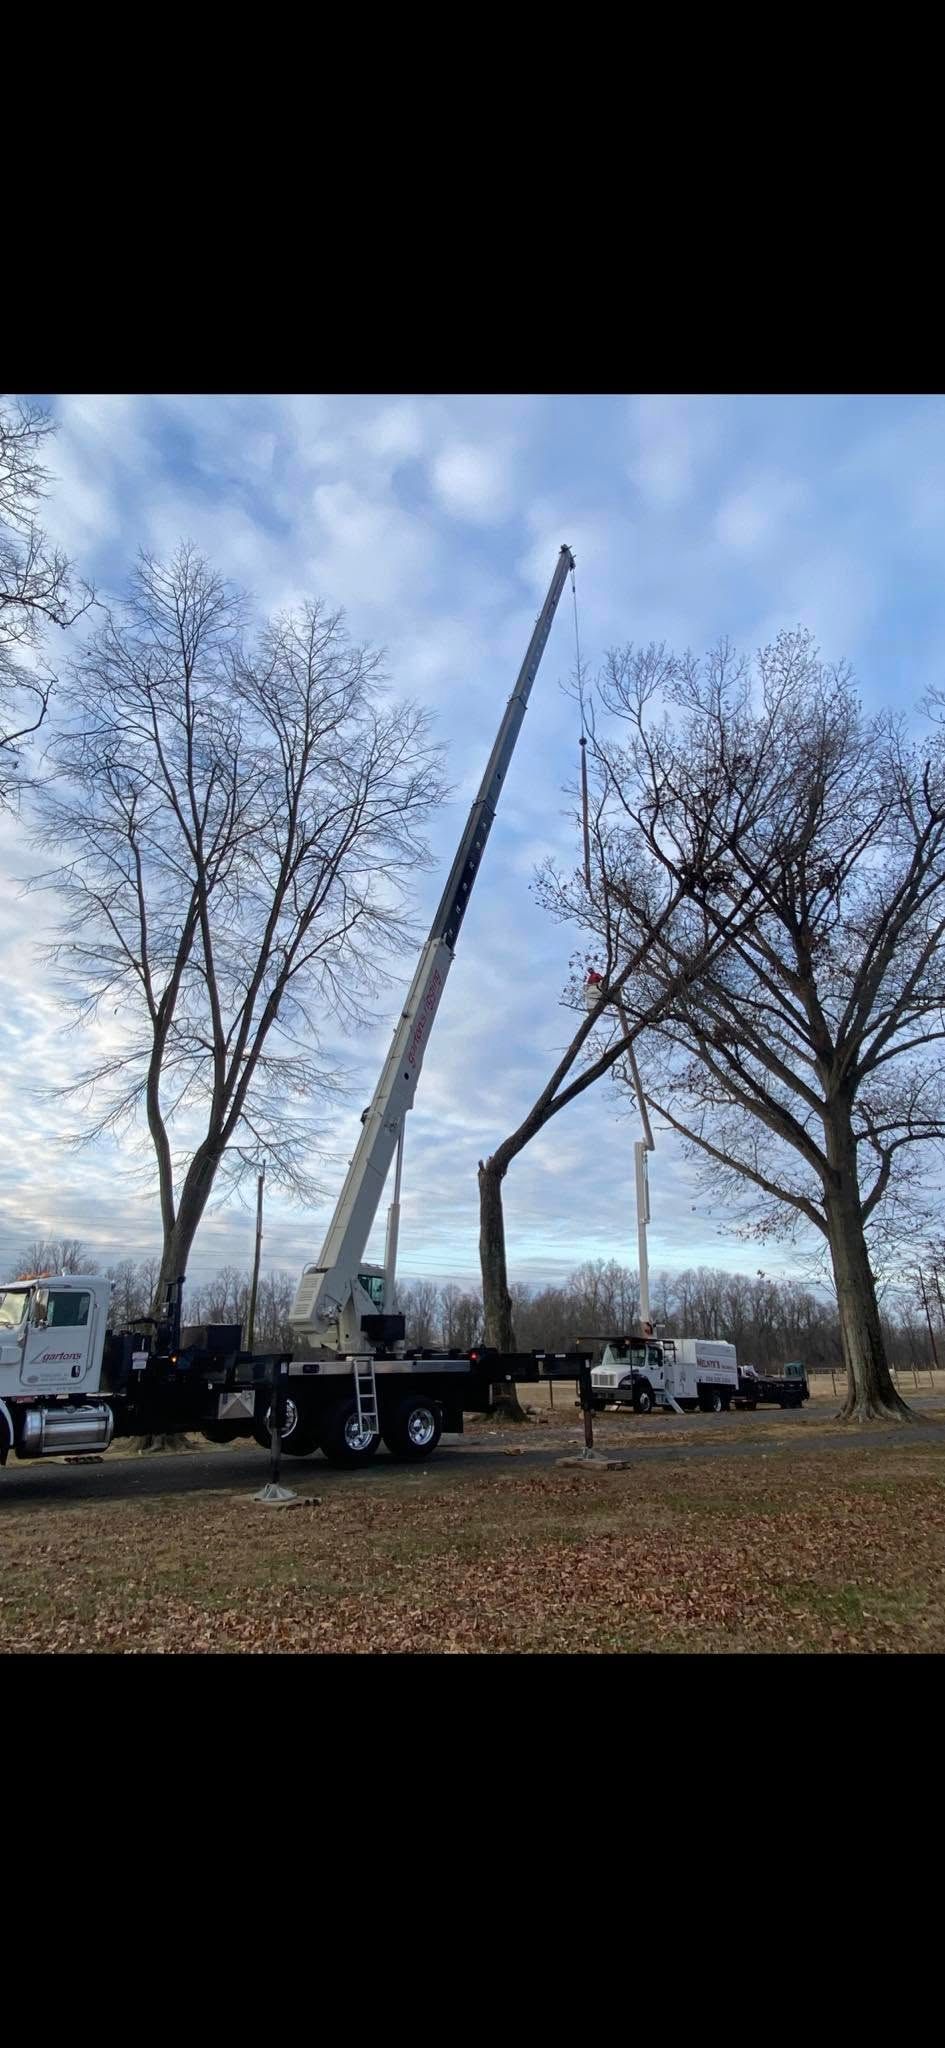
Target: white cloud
674,438
474,482
397,432
755,516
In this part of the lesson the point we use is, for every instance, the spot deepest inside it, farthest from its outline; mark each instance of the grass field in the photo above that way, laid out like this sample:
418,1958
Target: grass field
791,1546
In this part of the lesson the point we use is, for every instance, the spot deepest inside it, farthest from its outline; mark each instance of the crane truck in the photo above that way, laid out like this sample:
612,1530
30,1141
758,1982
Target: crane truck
68,1384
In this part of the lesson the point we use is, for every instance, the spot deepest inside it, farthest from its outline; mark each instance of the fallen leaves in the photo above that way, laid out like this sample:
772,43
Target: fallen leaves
801,1552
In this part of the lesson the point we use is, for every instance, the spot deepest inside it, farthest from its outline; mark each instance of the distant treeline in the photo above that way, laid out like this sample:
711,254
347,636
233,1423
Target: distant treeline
768,1320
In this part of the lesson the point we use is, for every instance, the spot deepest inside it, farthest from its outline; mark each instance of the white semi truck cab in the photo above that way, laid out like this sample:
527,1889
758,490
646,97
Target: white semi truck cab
52,1365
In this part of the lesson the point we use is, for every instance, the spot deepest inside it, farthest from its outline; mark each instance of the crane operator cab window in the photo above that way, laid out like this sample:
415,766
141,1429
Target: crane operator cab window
373,1284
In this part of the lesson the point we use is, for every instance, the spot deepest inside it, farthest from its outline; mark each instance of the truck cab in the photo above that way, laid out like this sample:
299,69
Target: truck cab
664,1372
51,1335
52,1341
632,1370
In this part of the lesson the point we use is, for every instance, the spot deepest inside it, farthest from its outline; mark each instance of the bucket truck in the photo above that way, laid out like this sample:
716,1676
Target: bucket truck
648,1370
68,1384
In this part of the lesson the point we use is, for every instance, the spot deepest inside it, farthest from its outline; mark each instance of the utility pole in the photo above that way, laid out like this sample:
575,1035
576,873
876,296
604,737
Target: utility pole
925,1304
251,1319
640,1150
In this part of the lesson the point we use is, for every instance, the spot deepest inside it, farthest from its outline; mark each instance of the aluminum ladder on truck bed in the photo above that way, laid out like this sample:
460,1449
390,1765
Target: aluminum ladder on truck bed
365,1394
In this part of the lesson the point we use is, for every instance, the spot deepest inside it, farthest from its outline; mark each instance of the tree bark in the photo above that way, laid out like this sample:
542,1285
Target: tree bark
871,1395
178,1239
496,1300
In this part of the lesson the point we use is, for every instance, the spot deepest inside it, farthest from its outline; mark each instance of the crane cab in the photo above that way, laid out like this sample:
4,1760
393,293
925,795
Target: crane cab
373,1281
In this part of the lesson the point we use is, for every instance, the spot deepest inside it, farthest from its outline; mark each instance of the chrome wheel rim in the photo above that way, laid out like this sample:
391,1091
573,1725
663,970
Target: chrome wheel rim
356,1438
291,1419
421,1428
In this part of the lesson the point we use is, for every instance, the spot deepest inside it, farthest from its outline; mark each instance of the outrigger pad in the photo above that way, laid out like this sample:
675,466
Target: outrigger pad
596,1460
278,1497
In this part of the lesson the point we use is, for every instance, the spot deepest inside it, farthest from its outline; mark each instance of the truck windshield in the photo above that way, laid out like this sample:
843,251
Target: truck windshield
13,1306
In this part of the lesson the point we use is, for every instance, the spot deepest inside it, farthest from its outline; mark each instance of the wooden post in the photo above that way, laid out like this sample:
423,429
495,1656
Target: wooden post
251,1318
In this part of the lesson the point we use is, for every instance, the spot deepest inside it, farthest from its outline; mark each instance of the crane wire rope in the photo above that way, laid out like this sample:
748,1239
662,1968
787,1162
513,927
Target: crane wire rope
583,740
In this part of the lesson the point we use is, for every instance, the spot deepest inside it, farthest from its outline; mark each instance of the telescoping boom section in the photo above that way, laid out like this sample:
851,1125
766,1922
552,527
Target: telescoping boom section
331,1300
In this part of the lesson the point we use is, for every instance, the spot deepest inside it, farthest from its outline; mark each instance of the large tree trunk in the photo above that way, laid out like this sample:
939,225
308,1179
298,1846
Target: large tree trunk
178,1240
496,1299
871,1395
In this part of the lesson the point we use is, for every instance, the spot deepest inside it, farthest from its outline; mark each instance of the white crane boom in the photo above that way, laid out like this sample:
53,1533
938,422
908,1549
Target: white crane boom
330,1299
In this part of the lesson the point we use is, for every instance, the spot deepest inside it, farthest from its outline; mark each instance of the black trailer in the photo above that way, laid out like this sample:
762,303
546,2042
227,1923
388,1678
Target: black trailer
787,1389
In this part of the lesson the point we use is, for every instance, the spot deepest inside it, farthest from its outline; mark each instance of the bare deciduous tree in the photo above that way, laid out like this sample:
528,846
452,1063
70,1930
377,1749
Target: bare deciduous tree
460,1317
52,1255
650,861
237,821
804,1064
37,586
420,1301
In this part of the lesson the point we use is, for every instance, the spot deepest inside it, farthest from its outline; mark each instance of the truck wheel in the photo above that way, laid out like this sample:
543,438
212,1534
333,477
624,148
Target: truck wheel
299,1437
342,1441
643,1399
413,1430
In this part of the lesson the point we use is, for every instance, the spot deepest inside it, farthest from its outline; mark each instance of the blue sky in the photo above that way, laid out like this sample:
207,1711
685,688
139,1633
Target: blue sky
435,522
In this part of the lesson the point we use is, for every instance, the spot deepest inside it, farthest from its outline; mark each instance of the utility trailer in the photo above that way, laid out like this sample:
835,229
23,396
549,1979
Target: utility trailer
67,1384
787,1389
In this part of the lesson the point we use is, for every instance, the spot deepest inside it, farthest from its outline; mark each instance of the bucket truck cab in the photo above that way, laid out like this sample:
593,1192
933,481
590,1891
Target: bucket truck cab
681,1373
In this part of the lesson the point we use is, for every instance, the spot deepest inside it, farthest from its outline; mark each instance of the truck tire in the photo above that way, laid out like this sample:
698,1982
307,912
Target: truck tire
643,1398
220,1432
300,1436
341,1440
413,1428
